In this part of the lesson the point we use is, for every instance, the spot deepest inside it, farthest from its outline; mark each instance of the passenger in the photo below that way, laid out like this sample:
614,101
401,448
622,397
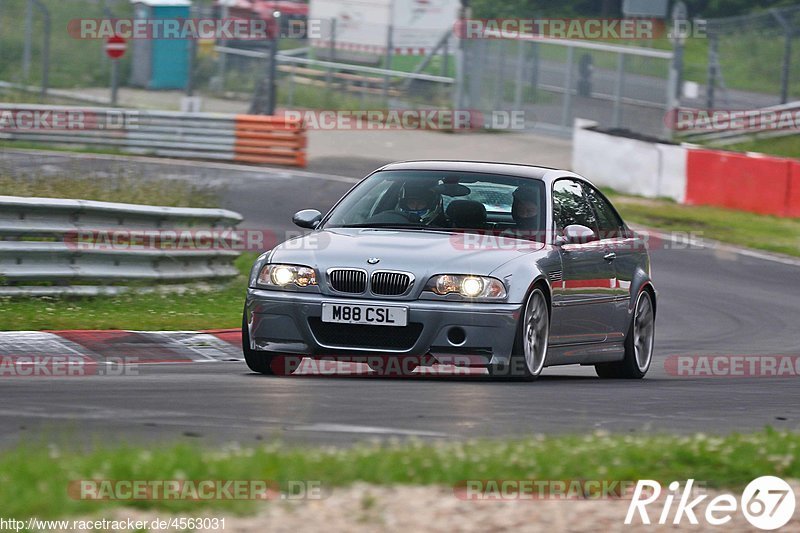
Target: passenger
525,208
526,212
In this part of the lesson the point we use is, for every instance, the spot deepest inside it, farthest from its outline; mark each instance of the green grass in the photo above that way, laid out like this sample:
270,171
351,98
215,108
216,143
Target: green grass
761,232
73,62
35,478
788,146
121,188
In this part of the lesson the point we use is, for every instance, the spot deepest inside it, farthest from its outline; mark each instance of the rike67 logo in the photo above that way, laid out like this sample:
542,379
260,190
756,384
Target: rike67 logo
768,503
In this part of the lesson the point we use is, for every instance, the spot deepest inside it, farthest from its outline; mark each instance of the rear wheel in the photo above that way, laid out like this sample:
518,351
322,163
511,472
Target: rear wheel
530,348
266,363
638,344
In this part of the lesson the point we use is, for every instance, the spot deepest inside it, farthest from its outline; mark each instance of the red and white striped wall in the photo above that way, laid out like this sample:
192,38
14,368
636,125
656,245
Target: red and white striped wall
688,174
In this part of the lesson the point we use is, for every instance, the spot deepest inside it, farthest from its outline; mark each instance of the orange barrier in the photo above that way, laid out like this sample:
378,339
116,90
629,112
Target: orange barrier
270,140
793,196
738,181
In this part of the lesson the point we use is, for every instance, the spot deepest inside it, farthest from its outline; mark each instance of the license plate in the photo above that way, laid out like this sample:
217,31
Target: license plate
374,315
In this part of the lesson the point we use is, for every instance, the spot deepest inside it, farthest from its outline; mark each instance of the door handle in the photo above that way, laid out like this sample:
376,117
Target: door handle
610,256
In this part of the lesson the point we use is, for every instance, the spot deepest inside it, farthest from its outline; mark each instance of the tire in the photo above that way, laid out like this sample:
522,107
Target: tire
266,363
638,343
530,346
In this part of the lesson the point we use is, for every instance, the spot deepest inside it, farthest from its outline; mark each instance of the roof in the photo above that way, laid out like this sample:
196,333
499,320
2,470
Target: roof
489,167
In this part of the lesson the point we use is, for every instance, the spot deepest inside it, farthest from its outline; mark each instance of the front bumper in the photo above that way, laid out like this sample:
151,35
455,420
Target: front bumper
289,323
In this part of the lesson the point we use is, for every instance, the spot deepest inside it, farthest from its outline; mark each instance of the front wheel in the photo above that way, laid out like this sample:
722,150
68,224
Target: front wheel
530,347
638,344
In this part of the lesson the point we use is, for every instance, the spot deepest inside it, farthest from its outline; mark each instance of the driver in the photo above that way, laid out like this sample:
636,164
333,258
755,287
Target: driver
422,204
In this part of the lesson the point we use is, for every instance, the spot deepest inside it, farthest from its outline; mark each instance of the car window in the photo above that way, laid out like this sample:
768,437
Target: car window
494,197
608,221
571,206
443,200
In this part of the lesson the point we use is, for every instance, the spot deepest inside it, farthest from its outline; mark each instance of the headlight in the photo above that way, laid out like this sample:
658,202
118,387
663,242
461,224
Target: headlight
477,287
286,275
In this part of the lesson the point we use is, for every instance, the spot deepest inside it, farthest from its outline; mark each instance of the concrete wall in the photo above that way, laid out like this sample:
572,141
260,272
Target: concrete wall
629,166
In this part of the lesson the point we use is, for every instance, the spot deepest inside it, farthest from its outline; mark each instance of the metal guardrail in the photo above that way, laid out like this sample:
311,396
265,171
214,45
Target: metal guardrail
162,133
284,57
40,242
728,135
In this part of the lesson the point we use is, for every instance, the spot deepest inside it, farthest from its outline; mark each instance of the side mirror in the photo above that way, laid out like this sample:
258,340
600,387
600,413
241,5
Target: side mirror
307,218
575,234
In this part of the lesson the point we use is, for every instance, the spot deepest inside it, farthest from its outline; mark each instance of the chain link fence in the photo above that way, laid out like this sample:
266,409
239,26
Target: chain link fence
745,62
555,81
753,60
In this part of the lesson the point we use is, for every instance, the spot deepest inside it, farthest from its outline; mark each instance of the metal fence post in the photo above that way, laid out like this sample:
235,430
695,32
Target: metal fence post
332,43
388,61
520,74
787,52
460,78
499,79
535,68
45,48
616,116
712,70
26,52
114,81
566,111
222,61
273,74
192,60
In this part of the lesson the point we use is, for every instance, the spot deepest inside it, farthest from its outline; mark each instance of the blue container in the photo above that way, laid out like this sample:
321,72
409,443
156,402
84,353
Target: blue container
161,63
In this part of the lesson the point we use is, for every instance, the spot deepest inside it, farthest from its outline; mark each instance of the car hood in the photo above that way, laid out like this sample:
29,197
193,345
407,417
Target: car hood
424,253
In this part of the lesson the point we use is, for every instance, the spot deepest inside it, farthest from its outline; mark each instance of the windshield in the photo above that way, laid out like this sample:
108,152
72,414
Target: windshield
436,200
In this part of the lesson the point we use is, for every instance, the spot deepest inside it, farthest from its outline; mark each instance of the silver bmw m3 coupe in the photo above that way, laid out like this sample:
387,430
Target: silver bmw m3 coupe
509,267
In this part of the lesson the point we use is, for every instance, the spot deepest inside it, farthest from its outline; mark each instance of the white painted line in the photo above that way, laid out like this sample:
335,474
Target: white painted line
373,430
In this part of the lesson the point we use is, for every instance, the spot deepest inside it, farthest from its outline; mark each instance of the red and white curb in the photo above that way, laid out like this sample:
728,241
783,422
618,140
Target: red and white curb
144,347
60,352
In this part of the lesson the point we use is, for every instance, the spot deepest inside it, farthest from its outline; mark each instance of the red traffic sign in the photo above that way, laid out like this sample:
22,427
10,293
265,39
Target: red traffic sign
116,47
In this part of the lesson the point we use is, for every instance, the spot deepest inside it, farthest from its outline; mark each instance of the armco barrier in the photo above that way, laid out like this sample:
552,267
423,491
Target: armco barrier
738,181
39,243
224,137
270,140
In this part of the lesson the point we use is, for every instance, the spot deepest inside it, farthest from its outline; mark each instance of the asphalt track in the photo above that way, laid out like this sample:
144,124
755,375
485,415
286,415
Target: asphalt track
712,301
